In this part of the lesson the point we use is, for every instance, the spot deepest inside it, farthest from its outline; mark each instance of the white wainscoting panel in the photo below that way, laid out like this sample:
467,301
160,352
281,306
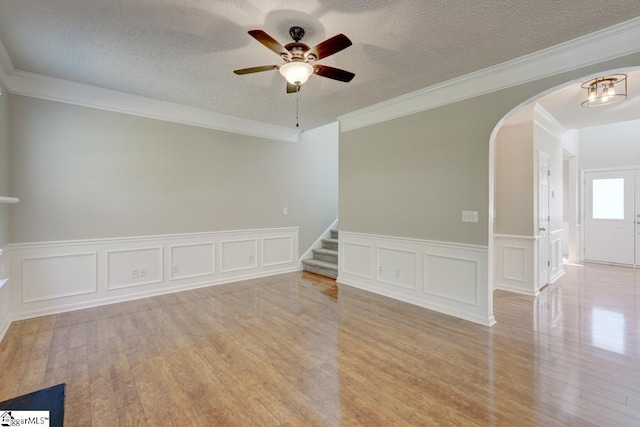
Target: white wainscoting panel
58,276
121,264
452,278
193,260
556,269
5,315
397,267
53,277
514,264
239,255
447,277
277,250
355,258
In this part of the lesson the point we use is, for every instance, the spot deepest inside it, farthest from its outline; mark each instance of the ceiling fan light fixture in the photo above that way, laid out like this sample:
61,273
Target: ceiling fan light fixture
296,72
605,90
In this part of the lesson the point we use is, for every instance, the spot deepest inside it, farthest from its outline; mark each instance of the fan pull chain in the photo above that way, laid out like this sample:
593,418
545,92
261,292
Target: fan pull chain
297,104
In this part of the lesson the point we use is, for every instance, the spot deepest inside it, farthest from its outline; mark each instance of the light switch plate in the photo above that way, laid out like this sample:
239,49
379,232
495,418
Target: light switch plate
469,216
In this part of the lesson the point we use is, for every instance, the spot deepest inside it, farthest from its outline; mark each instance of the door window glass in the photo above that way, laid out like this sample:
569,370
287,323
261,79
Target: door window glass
608,198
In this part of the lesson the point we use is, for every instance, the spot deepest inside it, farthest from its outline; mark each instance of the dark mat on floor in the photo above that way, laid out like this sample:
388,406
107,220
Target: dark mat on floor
49,399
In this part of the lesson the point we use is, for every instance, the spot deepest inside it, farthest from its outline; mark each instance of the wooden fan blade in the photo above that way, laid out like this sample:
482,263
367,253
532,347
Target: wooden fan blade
256,69
269,42
293,88
334,73
329,47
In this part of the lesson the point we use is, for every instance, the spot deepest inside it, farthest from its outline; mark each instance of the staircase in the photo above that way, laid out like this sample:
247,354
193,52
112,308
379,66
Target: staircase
325,259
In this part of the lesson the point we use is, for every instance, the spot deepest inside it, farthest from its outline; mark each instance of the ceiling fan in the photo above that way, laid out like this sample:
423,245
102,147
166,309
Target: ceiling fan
299,58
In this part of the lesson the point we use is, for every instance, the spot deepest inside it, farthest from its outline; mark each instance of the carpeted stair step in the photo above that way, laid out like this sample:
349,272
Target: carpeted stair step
330,244
328,255
321,267
334,234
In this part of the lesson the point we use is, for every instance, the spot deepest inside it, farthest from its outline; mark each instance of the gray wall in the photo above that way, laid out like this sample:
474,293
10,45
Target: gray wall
4,165
514,180
85,173
413,176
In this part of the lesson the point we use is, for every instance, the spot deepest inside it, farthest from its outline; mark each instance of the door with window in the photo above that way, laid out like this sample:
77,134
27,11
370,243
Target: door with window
609,217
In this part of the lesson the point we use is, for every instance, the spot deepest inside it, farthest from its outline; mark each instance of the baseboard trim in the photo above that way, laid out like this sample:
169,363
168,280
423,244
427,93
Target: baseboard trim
515,290
420,303
141,295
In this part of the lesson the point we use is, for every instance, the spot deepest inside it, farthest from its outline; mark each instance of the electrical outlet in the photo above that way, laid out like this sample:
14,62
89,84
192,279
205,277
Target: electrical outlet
285,211
469,216
397,274
250,258
134,273
142,271
175,268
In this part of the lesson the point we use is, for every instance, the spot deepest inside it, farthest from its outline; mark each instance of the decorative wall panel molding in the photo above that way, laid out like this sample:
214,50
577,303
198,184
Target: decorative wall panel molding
192,260
397,267
134,267
355,258
514,264
277,250
58,276
556,269
451,278
238,255
53,277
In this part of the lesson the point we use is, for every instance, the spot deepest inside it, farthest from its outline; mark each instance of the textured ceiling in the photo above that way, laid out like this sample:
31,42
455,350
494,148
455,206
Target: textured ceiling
184,51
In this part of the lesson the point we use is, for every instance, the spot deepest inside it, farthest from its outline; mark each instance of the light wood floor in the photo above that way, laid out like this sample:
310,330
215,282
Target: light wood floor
293,350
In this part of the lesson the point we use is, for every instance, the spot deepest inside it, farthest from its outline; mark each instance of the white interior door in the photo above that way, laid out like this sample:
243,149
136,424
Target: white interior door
637,217
609,217
543,218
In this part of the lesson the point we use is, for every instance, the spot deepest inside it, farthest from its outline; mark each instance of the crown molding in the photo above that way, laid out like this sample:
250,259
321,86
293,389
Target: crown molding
548,122
68,92
603,45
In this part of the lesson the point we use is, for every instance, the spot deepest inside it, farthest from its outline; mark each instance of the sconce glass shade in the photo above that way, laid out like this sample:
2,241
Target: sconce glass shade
605,90
296,72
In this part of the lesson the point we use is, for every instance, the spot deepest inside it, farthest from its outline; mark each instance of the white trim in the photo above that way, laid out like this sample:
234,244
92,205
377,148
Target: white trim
467,246
67,277
609,43
144,294
130,283
3,282
318,243
433,280
5,328
54,89
134,239
547,122
4,199
94,290
515,236
173,277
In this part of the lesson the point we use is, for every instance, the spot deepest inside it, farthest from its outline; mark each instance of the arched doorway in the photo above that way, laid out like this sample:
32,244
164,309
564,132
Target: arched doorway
523,257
